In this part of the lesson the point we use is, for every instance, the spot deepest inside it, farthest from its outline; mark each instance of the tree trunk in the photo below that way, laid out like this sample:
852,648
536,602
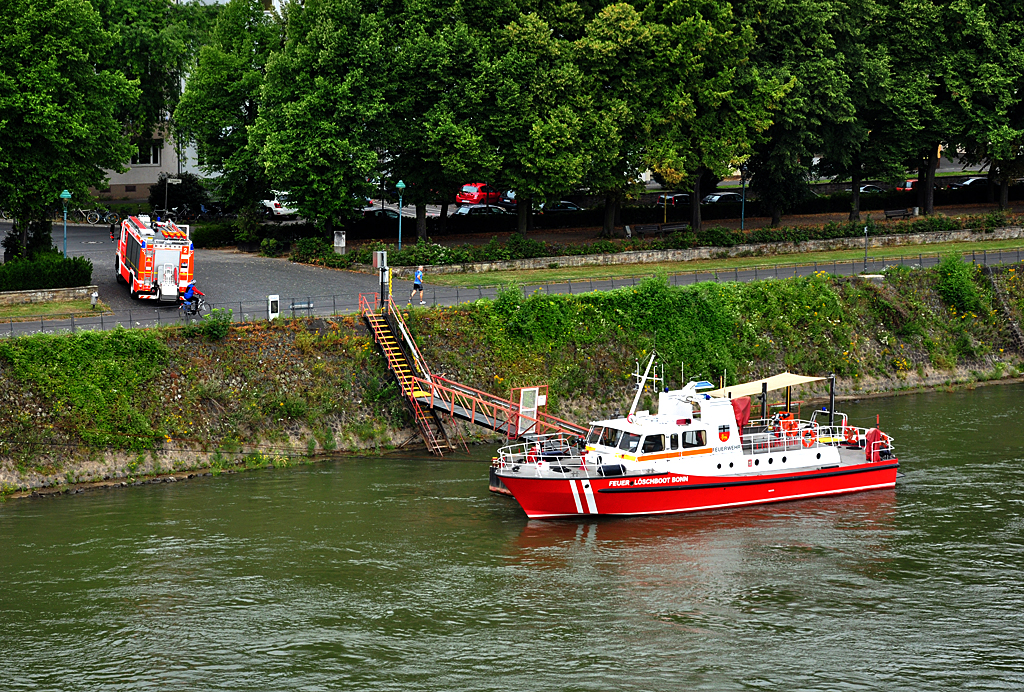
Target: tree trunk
855,178
695,201
524,207
618,212
929,192
1004,192
442,224
421,222
608,229
993,179
23,226
776,216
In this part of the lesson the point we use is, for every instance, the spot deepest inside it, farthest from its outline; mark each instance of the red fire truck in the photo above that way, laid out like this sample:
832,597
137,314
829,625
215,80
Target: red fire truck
154,259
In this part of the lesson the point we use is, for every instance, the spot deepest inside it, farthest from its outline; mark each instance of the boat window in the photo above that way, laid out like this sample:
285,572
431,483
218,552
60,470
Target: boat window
629,442
694,438
674,440
654,443
595,435
610,437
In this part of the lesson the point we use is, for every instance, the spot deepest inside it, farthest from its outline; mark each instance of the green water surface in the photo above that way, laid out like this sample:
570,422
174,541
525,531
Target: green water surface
407,574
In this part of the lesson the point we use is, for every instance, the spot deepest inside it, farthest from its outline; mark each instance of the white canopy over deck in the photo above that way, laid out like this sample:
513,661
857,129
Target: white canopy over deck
780,381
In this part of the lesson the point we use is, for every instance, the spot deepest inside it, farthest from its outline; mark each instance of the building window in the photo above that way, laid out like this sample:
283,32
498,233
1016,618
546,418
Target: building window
149,153
129,188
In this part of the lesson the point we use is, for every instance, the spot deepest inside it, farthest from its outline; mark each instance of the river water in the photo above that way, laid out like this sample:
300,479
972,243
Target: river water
407,574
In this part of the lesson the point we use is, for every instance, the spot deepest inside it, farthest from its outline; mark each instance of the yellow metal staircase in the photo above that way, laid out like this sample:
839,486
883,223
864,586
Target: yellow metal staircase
407,374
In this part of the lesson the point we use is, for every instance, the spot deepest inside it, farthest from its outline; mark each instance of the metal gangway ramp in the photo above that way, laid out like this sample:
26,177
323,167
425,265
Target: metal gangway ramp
429,395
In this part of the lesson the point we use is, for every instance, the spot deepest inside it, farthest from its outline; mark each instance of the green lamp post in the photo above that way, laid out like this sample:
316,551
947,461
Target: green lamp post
401,188
65,197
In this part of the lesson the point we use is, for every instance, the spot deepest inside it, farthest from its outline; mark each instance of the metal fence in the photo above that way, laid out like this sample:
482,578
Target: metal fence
331,305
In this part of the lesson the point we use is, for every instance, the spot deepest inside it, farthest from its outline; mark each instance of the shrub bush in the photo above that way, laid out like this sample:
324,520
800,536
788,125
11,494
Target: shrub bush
213,235
216,325
45,270
269,247
956,283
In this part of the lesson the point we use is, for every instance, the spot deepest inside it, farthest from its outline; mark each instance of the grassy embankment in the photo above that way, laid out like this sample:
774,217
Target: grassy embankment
824,258
125,404
24,311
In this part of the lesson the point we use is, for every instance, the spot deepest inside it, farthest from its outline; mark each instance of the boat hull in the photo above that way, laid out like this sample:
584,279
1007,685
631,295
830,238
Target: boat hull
669,493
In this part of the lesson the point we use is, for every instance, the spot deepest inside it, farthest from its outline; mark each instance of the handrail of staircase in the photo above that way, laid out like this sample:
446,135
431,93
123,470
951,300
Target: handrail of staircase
364,302
565,425
491,407
421,362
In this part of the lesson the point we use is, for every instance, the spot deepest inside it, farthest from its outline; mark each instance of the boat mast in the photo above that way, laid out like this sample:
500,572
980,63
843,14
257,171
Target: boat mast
641,381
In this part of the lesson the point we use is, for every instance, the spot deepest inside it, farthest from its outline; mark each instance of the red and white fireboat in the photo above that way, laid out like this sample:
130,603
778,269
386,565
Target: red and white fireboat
700,451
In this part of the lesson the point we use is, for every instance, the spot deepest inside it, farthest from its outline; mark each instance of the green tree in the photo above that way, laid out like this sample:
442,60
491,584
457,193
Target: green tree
432,129
984,69
58,106
154,43
886,105
617,56
536,110
321,95
712,103
221,101
795,45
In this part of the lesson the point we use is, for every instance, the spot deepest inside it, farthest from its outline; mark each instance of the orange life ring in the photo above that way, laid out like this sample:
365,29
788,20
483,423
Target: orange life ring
809,437
850,434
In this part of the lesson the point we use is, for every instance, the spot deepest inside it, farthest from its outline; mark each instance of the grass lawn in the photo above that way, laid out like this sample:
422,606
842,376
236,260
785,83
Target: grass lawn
29,311
627,270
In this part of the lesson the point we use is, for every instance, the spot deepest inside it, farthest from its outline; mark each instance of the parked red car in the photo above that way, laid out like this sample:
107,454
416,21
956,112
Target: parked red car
907,185
477,193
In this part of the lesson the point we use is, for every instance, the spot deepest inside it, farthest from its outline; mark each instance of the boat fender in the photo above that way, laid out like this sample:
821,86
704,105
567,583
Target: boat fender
809,438
850,435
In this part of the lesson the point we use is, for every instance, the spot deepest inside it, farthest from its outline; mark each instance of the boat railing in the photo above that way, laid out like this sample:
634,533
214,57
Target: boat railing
763,435
551,453
770,435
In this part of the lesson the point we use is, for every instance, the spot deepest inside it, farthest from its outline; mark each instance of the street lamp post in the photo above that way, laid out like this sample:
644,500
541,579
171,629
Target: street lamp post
743,202
169,181
865,249
65,197
401,188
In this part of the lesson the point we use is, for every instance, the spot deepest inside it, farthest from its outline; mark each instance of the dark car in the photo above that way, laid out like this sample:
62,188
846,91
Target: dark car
378,213
480,210
674,199
867,189
974,183
720,197
507,199
563,205
477,193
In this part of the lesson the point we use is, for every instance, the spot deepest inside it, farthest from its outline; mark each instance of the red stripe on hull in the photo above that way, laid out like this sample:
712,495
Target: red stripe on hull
553,497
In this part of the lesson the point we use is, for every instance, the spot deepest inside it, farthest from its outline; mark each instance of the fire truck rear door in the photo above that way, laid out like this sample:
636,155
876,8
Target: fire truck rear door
166,266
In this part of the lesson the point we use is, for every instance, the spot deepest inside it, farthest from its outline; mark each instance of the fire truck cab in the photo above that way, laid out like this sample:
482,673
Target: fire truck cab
154,259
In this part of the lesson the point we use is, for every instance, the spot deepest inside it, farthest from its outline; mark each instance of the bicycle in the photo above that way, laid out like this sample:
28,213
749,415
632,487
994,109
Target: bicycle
93,216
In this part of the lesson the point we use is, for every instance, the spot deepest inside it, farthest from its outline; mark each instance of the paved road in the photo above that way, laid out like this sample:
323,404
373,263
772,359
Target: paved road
242,282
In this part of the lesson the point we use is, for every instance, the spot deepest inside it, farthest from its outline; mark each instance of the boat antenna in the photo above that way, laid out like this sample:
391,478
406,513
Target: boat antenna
640,381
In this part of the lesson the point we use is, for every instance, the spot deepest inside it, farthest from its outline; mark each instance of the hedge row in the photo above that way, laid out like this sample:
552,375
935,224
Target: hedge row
319,251
45,270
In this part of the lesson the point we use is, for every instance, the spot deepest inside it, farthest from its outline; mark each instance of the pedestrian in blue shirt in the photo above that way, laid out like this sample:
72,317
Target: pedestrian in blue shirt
417,284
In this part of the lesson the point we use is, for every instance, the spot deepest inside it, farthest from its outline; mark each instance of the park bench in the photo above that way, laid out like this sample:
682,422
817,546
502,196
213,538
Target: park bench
643,230
673,227
898,213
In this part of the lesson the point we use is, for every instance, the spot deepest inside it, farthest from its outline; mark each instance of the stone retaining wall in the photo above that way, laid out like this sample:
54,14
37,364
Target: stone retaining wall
703,253
47,295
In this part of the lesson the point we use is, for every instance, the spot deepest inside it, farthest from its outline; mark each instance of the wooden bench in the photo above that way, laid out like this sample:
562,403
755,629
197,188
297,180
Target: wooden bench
643,231
673,227
898,213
